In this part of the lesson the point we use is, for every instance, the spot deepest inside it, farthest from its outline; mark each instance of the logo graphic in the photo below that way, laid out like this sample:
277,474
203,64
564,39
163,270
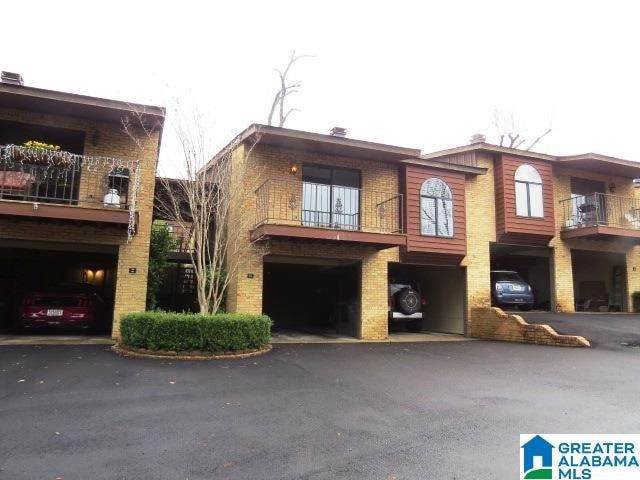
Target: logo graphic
538,459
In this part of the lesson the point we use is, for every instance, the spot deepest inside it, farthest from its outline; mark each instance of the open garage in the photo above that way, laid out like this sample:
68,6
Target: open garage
52,289
531,263
599,281
312,295
442,291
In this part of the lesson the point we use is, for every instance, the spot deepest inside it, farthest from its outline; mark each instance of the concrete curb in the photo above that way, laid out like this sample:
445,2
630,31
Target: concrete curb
131,352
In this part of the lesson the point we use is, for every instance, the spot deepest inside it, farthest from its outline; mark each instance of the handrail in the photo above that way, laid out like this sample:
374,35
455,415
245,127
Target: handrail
308,204
600,209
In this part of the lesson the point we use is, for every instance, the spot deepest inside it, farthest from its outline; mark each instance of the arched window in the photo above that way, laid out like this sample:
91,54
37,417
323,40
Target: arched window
528,192
436,208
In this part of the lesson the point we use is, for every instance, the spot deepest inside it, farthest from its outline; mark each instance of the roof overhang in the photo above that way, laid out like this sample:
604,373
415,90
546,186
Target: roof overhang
69,104
466,169
326,144
489,148
595,162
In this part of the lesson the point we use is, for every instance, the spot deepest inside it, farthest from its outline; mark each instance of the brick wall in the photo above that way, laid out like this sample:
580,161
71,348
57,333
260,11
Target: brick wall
562,270
268,162
105,139
481,230
494,324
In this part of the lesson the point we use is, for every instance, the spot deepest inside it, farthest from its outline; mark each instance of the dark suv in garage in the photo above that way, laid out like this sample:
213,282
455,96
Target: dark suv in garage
405,305
510,290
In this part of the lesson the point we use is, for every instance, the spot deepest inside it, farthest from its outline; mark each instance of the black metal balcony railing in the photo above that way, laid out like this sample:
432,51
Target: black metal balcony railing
599,209
328,206
58,177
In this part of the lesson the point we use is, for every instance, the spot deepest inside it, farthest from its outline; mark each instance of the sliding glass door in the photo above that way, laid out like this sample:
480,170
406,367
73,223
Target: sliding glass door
330,197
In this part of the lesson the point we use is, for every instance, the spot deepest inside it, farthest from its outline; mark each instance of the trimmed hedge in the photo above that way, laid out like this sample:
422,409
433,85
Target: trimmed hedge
179,332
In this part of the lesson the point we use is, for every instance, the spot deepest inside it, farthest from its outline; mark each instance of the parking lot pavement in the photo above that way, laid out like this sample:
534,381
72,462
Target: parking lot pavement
612,331
435,410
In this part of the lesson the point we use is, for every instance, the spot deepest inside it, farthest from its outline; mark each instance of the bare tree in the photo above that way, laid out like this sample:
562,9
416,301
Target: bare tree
201,201
285,90
511,132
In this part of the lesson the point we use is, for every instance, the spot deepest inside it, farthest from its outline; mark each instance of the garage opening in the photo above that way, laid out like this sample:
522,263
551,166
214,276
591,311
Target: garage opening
599,281
441,291
56,291
532,264
315,296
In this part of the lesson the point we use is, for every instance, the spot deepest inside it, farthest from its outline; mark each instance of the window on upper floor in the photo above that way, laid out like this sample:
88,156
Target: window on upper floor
330,197
436,208
529,201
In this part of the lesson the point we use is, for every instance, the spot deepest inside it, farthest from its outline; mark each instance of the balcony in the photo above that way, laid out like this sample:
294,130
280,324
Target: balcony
600,216
35,182
181,240
303,210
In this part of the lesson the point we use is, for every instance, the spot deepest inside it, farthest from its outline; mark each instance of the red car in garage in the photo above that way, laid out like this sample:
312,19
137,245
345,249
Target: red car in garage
65,306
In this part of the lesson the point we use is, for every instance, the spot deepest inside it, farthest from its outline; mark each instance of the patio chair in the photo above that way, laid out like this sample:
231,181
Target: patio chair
15,184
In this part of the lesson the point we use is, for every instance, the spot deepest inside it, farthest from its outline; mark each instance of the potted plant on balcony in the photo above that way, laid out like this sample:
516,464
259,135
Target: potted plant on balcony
41,145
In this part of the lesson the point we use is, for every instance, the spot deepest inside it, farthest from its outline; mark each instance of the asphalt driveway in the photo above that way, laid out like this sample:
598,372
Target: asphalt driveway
372,411
613,331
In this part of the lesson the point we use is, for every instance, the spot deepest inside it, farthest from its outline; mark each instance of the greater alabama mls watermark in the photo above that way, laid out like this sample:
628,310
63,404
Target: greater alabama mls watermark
579,457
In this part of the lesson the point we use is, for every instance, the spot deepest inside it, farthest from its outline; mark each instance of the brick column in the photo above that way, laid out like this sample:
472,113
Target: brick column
481,230
633,274
244,294
562,297
131,288
374,302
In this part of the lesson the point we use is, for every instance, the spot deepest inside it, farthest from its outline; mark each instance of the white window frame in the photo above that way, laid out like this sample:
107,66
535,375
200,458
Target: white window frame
441,201
528,176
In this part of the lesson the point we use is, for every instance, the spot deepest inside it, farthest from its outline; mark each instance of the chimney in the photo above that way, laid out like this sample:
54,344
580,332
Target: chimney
11,78
477,138
338,132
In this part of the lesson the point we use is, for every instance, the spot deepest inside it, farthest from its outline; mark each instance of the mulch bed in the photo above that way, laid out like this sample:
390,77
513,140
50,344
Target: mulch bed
127,351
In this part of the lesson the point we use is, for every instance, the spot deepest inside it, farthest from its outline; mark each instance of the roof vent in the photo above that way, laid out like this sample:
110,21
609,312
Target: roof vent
338,132
477,138
11,78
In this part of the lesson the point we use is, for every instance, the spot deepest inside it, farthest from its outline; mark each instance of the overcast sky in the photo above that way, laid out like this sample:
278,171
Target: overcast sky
416,74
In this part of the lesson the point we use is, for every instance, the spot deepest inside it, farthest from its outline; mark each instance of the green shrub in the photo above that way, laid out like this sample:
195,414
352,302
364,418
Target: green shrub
161,243
223,332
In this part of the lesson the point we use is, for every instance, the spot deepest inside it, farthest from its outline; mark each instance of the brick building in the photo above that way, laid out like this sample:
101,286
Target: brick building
79,211
333,220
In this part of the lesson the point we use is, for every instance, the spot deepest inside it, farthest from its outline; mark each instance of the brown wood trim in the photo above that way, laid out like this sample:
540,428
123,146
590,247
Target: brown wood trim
466,169
508,222
525,239
602,232
413,177
293,231
424,258
64,212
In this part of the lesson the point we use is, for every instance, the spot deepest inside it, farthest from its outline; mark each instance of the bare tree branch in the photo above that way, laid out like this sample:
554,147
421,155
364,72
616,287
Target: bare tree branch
284,91
538,139
511,133
200,202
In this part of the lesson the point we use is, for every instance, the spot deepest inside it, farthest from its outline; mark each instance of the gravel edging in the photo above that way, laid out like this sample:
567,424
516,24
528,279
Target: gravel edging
133,352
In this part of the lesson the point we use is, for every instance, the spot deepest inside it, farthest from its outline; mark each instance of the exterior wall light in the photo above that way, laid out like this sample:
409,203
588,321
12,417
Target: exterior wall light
293,168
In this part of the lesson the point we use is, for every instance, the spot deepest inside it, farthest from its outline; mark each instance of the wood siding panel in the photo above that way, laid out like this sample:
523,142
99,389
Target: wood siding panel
511,227
456,247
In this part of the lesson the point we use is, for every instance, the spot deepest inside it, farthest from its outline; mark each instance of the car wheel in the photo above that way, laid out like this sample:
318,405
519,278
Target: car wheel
408,301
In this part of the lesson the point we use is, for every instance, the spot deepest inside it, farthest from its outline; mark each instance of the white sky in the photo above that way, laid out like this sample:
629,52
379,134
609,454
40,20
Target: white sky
416,74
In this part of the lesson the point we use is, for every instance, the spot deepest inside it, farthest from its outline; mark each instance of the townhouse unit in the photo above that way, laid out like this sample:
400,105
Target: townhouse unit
76,199
333,221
